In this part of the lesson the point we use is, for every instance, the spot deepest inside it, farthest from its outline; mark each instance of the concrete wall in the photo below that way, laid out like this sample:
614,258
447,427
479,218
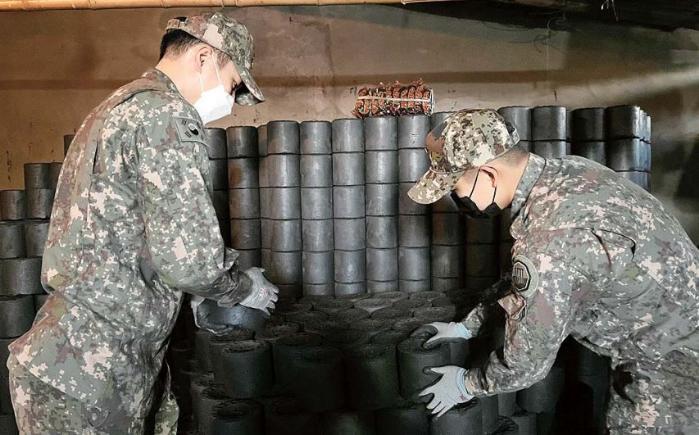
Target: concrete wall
57,65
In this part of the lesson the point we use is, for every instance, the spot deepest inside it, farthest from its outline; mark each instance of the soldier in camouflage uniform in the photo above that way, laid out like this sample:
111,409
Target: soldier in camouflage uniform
595,257
133,228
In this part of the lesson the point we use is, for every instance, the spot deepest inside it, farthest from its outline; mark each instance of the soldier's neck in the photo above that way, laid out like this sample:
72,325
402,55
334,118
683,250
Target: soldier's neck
510,174
183,79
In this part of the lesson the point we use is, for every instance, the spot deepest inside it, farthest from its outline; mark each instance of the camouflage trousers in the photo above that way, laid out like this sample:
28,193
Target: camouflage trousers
43,410
662,398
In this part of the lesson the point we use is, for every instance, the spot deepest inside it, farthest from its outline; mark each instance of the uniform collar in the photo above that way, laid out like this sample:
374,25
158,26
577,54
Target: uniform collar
156,74
535,166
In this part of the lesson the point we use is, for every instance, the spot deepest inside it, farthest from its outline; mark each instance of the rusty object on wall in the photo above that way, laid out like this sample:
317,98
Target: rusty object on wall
394,99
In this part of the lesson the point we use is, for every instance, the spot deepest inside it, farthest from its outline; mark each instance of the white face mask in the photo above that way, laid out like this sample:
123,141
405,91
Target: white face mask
215,103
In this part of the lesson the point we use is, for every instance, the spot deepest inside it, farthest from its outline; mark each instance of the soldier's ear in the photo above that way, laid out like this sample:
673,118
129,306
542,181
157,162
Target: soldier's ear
202,54
492,173
465,183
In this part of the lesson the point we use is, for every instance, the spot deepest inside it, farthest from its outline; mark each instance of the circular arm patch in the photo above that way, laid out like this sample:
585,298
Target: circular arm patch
525,278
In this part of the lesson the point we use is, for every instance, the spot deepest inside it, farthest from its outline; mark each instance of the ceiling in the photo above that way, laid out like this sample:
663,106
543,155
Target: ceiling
660,14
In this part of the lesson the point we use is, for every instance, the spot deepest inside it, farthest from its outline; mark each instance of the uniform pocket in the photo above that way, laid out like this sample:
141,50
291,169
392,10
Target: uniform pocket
620,249
88,355
514,305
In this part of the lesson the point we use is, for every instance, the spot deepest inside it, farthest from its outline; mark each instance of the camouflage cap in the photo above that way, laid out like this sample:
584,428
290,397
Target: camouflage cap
466,139
231,37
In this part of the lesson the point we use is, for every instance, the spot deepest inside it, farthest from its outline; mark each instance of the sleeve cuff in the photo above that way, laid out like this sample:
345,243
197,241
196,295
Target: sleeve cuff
461,384
471,383
238,293
463,331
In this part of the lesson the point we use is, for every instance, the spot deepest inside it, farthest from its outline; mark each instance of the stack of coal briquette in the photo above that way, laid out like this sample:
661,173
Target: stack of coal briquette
348,181
330,365
323,205
618,137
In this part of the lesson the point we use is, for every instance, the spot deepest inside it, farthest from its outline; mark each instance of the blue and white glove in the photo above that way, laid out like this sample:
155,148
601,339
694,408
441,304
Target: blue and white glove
263,294
444,332
448,391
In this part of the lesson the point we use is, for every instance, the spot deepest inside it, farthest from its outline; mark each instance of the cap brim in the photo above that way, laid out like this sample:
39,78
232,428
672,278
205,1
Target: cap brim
251,94
433,186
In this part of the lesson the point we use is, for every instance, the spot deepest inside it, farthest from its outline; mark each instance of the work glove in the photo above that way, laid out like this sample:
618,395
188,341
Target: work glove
201,310
448,391
263,294
443,332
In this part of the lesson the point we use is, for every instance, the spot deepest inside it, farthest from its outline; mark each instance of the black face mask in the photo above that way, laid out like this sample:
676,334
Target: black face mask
469,208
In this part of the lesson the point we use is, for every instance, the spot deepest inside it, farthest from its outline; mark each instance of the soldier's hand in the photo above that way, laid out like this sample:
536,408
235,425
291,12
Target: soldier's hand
448,391
443,332
263,294
201,310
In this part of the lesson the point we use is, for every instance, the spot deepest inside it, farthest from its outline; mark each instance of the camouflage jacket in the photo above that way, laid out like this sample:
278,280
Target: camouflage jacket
595,257
132,228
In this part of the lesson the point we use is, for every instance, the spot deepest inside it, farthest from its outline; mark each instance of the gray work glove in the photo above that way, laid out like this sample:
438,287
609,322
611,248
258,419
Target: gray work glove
201,311
263,294
448,391
443,332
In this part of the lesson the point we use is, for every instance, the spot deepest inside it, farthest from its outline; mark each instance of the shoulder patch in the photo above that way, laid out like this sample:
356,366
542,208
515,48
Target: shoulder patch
525,278
189,130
